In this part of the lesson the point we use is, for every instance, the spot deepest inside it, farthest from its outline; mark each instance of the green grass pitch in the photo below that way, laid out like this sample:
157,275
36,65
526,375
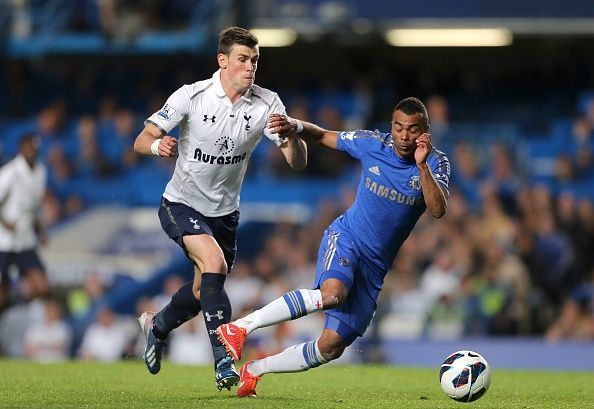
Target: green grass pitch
25,384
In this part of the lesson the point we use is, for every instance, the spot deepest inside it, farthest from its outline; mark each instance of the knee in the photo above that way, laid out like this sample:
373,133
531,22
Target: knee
333,294
331,352
214,263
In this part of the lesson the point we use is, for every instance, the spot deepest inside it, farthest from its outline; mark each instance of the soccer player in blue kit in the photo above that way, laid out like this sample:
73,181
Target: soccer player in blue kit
402,176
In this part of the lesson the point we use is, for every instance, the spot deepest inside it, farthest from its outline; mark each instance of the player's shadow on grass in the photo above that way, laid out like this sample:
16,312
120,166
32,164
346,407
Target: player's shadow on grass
263,398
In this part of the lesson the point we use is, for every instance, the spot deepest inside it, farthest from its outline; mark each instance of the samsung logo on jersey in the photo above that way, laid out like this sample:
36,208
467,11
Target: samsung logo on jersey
219,160
392,194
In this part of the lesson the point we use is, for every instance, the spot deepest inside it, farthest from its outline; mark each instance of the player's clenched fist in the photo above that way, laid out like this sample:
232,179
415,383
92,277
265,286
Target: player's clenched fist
167,146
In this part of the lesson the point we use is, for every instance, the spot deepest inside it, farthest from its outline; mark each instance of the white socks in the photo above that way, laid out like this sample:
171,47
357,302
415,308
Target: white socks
290,306
297,358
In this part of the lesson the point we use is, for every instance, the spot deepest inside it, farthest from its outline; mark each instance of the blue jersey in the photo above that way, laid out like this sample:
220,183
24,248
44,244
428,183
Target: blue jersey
389,196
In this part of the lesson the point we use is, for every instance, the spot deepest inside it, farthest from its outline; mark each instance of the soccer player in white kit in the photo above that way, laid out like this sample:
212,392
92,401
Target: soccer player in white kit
22,186
221,121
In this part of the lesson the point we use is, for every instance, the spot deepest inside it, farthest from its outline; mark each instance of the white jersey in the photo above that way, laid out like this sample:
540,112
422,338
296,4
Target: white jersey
21,193
215,143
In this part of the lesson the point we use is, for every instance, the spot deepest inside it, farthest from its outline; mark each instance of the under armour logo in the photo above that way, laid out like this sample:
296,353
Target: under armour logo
218,315
247,119
206,118
196,225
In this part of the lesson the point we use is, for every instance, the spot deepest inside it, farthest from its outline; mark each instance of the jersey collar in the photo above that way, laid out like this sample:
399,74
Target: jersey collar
220,92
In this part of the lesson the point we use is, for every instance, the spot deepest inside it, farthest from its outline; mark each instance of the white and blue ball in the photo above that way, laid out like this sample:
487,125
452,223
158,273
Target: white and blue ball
465,376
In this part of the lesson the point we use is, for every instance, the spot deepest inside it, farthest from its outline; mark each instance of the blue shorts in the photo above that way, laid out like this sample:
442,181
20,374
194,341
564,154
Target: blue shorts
179,220
23,260
339,257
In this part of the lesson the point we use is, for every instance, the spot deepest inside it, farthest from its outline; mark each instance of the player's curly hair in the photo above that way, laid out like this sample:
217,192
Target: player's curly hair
411,106
235,35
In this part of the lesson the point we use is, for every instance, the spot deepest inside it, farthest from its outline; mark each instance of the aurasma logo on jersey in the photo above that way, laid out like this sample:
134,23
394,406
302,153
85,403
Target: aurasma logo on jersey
218,160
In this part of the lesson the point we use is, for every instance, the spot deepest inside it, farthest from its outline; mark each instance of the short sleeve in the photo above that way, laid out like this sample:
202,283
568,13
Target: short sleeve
175,109
356,143
277,107
440,167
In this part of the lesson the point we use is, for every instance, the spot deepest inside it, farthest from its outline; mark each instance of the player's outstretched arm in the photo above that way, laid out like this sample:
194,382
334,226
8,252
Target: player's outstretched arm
150,141
286,127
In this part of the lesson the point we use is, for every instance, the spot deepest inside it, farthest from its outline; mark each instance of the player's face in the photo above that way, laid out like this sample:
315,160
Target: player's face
239,67
405,131
30,150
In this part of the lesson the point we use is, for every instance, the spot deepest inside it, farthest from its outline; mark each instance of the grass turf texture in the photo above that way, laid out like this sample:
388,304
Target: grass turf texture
25,384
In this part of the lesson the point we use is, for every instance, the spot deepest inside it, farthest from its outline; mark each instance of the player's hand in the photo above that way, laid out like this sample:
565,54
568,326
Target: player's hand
282,125
7,225
168,146
43,238
423,149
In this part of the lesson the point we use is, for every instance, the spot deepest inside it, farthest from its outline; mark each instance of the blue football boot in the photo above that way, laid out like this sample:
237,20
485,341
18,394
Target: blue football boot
225,374
154,347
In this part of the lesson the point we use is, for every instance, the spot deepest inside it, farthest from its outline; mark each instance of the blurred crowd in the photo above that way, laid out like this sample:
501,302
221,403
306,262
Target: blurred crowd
513,256
118,20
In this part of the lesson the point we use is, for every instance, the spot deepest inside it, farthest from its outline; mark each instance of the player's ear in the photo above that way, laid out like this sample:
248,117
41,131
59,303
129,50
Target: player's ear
222,60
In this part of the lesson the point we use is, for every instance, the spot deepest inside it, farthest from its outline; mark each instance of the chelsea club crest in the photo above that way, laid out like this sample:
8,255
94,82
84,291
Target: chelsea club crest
415,183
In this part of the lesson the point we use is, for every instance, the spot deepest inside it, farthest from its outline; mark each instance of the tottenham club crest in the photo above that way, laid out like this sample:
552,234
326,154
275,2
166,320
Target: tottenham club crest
415,183
247,121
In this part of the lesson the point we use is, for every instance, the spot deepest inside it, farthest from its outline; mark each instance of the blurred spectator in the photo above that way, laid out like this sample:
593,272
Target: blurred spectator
90,160
83,304
503,176
122,20
81,300
466,174
104,340
49,340
574,323
553,258
445,318
243,288
511,273
487,304
14,323
172,283
441,277
22,21
438,111
189,344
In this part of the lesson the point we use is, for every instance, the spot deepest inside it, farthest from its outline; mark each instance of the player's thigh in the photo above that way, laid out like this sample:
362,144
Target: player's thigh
224,230
29,264
206,253
5,262
188,228
180,221
338,258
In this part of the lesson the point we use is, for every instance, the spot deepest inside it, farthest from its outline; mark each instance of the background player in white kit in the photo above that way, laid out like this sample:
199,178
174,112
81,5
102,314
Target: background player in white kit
221,121
22,186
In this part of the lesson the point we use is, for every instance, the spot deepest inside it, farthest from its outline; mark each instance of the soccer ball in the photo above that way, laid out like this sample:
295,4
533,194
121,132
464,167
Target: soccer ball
465,376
